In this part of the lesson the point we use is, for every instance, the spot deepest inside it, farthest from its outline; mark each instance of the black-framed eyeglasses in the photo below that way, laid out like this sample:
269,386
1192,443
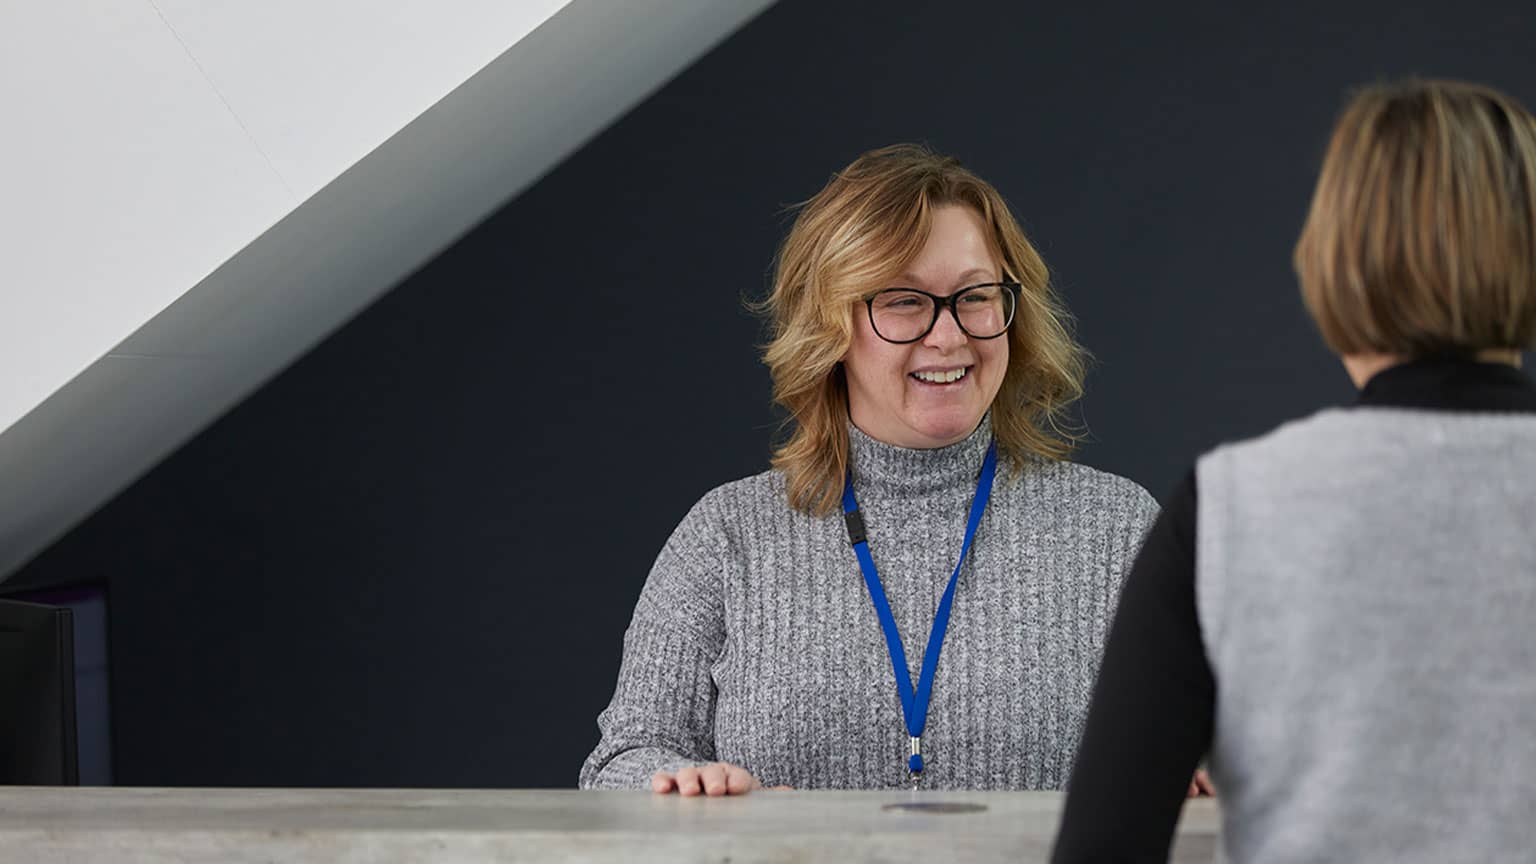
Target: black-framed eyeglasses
903,315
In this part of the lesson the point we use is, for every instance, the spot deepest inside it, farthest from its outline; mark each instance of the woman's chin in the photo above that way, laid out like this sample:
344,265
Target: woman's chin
947,428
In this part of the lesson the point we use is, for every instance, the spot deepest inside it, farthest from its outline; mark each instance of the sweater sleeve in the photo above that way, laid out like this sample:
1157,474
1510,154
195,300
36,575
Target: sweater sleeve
661,717
1153,707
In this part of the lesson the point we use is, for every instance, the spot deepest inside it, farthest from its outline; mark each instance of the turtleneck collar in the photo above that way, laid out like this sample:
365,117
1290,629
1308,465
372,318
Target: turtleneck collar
1451,384
885,468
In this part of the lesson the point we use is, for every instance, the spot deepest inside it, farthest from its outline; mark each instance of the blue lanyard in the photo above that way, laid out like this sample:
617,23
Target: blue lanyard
914,704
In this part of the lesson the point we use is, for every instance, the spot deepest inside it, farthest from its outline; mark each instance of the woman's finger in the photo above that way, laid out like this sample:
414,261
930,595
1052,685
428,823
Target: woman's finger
663,782
1203,781
739,781
714,779
688,781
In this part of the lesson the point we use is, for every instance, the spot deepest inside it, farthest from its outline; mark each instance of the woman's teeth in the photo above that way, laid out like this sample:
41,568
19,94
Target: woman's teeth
941,377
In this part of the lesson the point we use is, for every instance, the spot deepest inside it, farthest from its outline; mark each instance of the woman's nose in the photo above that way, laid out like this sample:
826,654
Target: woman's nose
946,332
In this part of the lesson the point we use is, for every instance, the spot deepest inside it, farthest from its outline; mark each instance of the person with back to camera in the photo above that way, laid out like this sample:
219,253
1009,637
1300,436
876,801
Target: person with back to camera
1343,611
789,630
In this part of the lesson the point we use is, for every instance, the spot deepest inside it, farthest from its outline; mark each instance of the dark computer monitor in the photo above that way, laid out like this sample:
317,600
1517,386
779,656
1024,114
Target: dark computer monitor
38,744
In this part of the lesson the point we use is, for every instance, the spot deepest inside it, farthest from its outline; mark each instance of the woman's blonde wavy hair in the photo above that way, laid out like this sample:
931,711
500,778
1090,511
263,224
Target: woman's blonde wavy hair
861,230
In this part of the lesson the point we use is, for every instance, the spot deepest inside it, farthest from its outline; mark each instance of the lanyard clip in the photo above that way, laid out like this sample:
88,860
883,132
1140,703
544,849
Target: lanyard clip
915,760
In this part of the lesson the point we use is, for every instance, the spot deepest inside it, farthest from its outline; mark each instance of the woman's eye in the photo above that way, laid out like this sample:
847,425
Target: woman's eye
899,301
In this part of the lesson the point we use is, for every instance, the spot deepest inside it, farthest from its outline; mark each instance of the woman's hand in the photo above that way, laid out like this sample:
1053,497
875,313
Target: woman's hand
716,778
1201,785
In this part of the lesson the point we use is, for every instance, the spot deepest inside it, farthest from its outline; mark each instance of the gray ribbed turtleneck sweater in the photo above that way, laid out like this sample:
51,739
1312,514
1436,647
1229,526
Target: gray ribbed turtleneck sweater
755,642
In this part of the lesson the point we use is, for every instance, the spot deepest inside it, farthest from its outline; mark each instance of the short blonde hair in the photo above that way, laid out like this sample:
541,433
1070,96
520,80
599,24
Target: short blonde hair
1421,239
862,229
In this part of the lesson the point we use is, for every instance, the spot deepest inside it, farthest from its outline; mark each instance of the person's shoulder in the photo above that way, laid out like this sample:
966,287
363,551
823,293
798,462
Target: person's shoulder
731,503
1059,492
764,487
1085,482
734,515
1286,434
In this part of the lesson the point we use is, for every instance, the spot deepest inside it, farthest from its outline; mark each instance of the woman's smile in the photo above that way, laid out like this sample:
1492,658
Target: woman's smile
940,378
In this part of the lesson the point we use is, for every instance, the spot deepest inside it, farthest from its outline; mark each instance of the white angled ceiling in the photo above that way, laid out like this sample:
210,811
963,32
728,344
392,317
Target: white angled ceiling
194,194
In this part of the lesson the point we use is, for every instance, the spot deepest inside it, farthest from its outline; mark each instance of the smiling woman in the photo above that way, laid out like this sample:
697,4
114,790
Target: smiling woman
920,500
